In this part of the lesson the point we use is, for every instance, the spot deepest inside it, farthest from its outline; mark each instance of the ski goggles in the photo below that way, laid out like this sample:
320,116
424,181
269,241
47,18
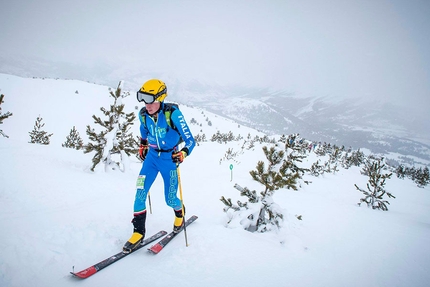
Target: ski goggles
149,98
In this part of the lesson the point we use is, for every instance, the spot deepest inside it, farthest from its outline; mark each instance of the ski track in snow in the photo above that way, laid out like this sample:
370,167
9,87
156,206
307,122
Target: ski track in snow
55,214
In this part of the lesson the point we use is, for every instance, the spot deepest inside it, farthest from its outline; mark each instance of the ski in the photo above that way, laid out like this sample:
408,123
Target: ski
156,248
108,261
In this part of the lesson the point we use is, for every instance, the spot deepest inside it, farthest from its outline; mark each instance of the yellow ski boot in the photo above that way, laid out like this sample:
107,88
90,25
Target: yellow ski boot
179,221
135,239
138,232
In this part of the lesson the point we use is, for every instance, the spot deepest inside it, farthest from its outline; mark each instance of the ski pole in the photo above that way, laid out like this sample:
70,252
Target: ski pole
182,203
150,206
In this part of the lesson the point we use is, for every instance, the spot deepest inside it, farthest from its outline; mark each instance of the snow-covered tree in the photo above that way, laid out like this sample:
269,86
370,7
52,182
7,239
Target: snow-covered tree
422,177
3,116
317,169
38,135
199,138
356,158
401,171
374,195
73,140
115,142
260,213
295,153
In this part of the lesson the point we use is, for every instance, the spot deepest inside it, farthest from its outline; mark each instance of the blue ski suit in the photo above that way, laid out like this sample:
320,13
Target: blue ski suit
163,141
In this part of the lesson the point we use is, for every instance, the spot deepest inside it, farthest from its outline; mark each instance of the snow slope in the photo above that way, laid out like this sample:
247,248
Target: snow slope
55,214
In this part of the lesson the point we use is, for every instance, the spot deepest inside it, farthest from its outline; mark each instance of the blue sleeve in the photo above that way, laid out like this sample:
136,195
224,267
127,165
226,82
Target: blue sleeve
143,129
179,121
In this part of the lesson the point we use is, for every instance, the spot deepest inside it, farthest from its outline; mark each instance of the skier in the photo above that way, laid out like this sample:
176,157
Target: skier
162,126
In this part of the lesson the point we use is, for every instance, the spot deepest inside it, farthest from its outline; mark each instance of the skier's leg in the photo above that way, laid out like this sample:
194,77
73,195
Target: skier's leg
170,178
146,178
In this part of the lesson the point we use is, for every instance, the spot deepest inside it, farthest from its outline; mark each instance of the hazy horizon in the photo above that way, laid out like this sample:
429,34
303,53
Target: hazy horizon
367,49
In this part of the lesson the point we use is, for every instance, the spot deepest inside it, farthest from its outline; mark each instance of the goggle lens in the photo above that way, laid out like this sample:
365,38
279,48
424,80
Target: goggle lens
144,97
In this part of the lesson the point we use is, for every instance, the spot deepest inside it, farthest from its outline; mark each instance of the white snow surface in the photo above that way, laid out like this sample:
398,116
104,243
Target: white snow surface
56,214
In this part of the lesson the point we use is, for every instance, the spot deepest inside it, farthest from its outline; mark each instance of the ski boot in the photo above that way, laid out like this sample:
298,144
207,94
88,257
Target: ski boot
179,220
138,233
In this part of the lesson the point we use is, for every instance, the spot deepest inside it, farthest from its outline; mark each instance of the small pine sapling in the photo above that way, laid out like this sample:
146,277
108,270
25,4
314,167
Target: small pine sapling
260,213
357,158
3,116
37,135
317,169
294,154
422,177
401,171
73,140
374,195
115,143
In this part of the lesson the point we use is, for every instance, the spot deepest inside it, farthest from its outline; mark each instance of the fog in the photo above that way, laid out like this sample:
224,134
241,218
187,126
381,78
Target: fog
373,49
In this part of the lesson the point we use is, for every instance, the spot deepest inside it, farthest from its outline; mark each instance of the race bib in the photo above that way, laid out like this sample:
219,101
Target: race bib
140,181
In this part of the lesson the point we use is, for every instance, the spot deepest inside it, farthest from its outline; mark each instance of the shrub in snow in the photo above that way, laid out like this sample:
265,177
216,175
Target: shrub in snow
374,195
296,143
3,116
260,213
230,154
317,169
37,135
422,177
356,158
401,171
336,155
330,167
115,142
294,154
200,138
223,138
73,140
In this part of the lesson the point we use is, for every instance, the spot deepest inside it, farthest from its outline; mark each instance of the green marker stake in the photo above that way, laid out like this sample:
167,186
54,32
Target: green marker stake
231,169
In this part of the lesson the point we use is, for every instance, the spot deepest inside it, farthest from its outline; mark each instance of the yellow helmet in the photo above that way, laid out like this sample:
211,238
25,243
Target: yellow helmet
155,89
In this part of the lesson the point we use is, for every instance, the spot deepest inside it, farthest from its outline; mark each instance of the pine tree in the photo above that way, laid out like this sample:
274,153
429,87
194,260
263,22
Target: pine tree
401,171
287,174
37,135
3,116
317,169
260,213
217,137
115,142
283,139
295,153
422,177
356,159
73,140
374,195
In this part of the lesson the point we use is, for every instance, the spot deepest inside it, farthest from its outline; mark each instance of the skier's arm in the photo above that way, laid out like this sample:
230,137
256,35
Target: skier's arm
143,132
179,121
143,129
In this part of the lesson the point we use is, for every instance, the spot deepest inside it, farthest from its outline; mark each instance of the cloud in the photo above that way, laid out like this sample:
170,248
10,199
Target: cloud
370,49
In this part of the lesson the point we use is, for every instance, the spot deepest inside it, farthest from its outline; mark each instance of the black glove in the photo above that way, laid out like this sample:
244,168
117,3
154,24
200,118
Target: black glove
143,149
179,156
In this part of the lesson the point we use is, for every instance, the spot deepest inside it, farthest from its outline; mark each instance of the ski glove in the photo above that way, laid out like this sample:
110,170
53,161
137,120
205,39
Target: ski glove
179,156
143,149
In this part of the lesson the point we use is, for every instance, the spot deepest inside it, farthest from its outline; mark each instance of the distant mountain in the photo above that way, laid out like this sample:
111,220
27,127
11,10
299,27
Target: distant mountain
378,126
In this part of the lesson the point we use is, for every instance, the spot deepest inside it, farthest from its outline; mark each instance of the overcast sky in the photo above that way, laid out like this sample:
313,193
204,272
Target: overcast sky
366,48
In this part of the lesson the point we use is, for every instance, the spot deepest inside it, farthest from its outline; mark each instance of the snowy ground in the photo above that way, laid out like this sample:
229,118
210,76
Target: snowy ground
55,214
